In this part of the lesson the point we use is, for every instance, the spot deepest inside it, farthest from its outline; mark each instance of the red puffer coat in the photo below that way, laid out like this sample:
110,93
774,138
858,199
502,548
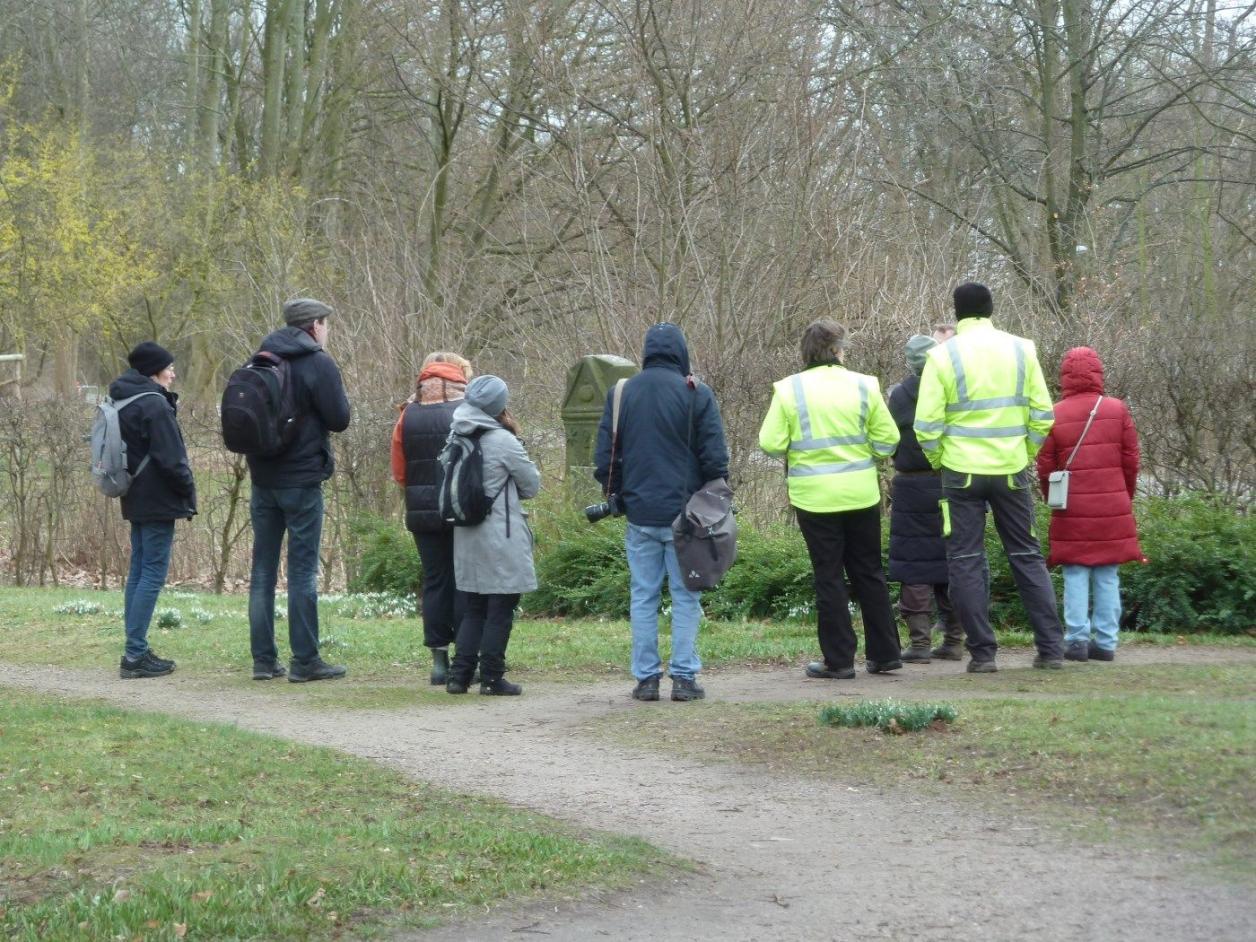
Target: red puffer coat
1098,527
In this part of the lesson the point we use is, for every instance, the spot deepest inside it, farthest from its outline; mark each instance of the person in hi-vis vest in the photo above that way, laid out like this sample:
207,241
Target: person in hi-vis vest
981,416
831,424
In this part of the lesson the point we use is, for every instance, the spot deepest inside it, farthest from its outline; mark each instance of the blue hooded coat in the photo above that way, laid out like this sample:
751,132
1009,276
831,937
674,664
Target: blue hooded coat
671,436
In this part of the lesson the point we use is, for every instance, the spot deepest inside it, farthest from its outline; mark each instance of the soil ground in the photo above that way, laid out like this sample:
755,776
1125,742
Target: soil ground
777,856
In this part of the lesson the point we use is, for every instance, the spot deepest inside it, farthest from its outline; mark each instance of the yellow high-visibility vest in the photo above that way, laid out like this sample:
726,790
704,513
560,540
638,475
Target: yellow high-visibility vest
983,406
830,425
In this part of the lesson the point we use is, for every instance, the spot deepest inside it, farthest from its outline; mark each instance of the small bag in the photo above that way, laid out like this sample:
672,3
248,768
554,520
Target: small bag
705,536
109,460
1057,481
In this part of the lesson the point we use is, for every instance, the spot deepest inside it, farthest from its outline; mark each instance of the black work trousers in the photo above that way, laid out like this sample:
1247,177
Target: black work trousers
483,636
443,604
850,541
1009,497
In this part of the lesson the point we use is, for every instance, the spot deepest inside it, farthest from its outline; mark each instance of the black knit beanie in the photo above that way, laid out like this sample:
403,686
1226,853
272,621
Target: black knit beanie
149,359
973,300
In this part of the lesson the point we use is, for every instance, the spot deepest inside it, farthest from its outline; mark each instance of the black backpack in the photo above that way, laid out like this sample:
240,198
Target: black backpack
462,500
259,411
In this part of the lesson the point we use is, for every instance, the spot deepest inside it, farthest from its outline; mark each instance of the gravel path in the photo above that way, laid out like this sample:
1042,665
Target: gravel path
778,856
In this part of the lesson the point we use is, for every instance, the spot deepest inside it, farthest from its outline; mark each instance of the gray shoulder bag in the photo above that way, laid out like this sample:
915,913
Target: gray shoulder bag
1057,481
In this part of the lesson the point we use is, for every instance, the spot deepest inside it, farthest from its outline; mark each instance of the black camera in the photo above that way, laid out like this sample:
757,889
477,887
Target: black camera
611,507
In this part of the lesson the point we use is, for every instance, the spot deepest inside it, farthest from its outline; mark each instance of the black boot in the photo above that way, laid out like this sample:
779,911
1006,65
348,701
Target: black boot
440,666
499,687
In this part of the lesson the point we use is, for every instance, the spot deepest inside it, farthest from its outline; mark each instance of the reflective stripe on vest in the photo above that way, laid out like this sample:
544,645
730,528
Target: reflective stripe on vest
842,468
807,442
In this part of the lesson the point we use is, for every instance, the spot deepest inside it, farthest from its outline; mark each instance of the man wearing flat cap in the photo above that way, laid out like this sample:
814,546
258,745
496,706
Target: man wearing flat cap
288,497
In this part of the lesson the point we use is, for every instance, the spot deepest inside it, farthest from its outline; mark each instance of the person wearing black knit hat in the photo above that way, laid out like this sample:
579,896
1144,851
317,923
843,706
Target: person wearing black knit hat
982,413
162,491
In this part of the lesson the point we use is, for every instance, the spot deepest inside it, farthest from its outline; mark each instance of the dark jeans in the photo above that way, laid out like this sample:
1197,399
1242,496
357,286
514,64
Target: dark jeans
965,497
297,511
849,540
443,604
483,636
150,561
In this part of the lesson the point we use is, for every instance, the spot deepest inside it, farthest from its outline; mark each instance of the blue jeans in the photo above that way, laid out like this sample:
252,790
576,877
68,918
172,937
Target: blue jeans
1092,602
150,561
651,555
297,511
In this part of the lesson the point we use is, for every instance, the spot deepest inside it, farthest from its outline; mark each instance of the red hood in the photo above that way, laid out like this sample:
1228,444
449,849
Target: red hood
1081,372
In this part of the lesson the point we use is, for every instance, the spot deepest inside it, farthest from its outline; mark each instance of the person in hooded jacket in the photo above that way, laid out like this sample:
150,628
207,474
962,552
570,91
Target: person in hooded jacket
493,559
1096,533
417,441
162,491
288,498
917,550
669,443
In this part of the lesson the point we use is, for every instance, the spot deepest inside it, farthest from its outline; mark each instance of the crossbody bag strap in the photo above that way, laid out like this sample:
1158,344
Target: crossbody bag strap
1082,437
617,396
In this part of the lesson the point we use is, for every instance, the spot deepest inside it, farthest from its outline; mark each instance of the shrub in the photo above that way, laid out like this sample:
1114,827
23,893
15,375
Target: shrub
387,560
771,578
581,570
888,715
1201,568
169,618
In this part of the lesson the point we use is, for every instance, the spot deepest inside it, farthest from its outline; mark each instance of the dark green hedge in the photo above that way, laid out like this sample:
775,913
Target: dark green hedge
1200,577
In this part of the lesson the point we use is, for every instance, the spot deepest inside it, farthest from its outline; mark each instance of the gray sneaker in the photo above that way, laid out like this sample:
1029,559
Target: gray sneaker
916,656
982,667
686,688
147,665
1048,663
268,670
947,652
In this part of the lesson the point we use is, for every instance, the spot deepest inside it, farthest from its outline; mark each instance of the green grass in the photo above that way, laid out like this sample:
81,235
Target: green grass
381,649
889,716
1162,756
115,824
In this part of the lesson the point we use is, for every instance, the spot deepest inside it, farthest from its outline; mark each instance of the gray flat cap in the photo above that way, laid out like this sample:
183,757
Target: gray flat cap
303,310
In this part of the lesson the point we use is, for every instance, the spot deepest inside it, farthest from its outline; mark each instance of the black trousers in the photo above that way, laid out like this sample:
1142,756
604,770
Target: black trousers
443,604
849,540
483,636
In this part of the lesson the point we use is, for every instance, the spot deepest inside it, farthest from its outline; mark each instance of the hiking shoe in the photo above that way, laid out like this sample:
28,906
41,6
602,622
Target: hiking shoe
160,660
440,667
268,670
916,656
499,687
1100,654
145,666
1077,651
454,685
647,689
883,667
946,652
686,688
299,672
821,670
1048,663
982,667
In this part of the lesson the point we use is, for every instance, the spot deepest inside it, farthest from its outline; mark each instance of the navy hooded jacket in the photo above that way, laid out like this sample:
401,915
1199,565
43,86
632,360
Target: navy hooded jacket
322,407
165,489
661,459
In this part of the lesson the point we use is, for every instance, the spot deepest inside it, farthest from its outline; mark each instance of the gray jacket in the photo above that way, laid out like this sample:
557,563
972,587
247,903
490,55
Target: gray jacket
486,560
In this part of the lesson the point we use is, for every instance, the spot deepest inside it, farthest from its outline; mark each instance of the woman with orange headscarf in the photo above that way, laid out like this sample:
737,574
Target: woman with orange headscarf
417,441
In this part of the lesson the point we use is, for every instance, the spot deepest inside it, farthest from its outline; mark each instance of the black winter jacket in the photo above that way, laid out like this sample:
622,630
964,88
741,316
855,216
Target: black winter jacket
165,489
917,550
322,407
424,429
671,436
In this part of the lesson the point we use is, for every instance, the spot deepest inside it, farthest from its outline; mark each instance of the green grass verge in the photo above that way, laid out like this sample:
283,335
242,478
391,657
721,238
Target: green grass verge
1162,756
213,637
123,825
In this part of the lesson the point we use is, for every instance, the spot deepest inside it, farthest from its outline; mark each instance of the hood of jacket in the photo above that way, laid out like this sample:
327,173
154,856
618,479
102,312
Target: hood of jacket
133,382
1081,372
469,418
290,342
665,346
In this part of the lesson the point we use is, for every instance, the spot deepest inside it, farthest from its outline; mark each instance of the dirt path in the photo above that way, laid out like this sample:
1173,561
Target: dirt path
779,857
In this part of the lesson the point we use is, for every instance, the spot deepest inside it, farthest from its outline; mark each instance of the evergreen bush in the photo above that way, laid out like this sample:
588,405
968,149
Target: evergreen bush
387,560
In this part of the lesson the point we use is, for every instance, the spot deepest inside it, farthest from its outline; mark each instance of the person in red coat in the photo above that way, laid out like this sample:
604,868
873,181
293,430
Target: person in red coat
1096,533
